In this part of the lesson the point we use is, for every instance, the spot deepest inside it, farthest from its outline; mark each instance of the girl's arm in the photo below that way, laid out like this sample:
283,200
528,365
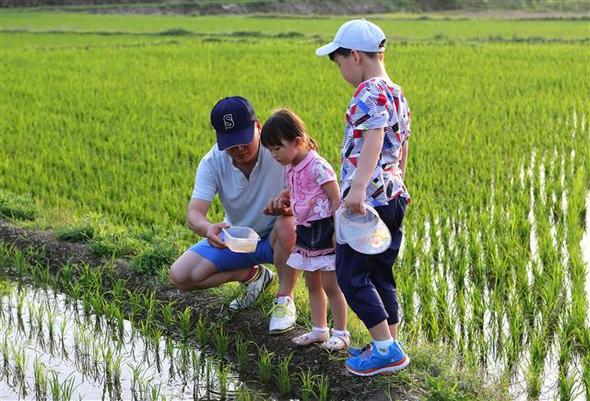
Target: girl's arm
403,162
355,200
333,191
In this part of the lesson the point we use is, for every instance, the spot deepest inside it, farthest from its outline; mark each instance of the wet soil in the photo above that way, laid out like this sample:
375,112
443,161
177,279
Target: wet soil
251,324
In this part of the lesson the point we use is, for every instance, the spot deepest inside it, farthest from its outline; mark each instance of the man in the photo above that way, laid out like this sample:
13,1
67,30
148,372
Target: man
245,176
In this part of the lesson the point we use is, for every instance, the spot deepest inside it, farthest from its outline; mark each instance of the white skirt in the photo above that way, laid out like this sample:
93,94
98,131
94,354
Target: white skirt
325,263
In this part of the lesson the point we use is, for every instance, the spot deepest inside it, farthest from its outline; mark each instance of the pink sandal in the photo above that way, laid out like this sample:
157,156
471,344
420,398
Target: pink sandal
339,340
314,336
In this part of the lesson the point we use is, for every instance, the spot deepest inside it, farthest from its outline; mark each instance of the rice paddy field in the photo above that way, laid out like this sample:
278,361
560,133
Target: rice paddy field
104,118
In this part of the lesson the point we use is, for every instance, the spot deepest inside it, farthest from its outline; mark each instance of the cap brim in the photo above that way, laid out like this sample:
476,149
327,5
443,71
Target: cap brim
326,49
243,137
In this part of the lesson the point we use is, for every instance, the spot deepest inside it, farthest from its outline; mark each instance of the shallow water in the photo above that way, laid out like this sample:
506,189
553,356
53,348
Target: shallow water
585,245
98,359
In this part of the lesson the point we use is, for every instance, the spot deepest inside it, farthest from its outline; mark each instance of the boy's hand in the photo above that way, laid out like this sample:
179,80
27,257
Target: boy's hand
213,232
355,200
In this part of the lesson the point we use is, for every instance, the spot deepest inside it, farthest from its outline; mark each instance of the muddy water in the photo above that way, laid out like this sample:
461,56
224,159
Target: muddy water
48,332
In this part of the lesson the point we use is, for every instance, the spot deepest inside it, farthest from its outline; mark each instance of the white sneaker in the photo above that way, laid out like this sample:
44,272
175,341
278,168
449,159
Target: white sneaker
253,290
283,315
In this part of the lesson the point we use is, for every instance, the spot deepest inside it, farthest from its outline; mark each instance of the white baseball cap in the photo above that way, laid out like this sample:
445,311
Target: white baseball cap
358,34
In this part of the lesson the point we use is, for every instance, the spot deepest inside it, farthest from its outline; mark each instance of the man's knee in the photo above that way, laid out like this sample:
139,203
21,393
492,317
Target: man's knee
178,276
285,232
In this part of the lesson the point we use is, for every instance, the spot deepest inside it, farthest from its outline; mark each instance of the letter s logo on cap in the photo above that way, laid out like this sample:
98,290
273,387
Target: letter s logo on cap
228,121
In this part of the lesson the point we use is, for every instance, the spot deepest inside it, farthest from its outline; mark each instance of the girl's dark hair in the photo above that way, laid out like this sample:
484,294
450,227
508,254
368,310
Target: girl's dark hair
345,52
284,125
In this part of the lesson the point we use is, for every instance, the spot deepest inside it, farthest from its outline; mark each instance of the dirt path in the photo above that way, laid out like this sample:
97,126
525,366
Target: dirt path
252,324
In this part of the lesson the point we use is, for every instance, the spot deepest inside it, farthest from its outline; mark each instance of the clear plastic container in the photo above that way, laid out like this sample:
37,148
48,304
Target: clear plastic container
241,239
366,233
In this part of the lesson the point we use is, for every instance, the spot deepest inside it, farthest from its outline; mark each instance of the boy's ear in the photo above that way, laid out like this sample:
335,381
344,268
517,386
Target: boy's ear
356,56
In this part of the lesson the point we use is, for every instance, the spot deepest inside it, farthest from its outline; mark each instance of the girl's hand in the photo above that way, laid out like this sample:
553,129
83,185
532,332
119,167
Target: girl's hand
213,232
277,206
355,200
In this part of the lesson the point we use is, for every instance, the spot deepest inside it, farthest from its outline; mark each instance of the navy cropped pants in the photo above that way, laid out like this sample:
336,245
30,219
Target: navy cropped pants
367,280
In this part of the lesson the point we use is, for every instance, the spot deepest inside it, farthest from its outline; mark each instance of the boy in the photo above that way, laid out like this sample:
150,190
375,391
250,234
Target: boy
373,164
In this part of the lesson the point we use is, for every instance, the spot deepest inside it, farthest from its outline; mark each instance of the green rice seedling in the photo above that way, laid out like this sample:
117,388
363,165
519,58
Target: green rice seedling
264,364
184,320
19,358
283,376
55,385
167,312
32,310
135,305
5,348
323,386
202,334
537,356
19,306
75,289
243,393
241,352
223,371
208,372
67,387
117,290
195,363
184,359
566,385
116,366
40,273
221,340
154,394
149,303
307,385
63,325
66,273
40,380
50,323
137,376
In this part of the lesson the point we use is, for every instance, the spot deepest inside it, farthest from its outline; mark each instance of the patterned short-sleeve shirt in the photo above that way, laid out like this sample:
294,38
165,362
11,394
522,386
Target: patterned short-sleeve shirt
377,103
309,202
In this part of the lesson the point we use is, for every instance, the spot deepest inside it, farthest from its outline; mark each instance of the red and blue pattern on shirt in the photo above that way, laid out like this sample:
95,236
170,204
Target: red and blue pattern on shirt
377,103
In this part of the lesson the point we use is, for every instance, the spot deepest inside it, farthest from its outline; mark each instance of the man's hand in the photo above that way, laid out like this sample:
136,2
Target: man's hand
213,231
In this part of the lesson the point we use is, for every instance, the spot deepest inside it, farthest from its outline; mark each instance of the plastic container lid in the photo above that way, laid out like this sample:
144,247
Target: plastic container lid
366,233
241,239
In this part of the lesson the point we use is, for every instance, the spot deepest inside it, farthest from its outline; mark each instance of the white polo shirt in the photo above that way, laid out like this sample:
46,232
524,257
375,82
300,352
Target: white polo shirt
243,199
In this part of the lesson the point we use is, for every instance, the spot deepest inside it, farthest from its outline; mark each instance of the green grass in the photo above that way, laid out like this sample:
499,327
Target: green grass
396,27
102,134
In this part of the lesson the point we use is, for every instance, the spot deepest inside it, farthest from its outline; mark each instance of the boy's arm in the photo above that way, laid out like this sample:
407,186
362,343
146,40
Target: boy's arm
403,162
355,200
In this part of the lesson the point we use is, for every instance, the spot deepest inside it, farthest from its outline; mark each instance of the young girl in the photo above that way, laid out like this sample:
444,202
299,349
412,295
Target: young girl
313,196
373,155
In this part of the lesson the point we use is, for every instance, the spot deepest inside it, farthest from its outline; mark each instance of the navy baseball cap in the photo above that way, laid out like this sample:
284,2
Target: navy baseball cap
233,119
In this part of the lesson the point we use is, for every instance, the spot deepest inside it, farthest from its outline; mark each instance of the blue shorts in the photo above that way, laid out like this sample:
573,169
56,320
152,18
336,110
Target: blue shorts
224,259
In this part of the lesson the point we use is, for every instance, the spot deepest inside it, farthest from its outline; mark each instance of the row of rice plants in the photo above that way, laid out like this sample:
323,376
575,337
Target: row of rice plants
498,284
125,358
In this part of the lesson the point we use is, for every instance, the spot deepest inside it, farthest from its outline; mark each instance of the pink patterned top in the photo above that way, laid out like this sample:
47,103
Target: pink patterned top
309,202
